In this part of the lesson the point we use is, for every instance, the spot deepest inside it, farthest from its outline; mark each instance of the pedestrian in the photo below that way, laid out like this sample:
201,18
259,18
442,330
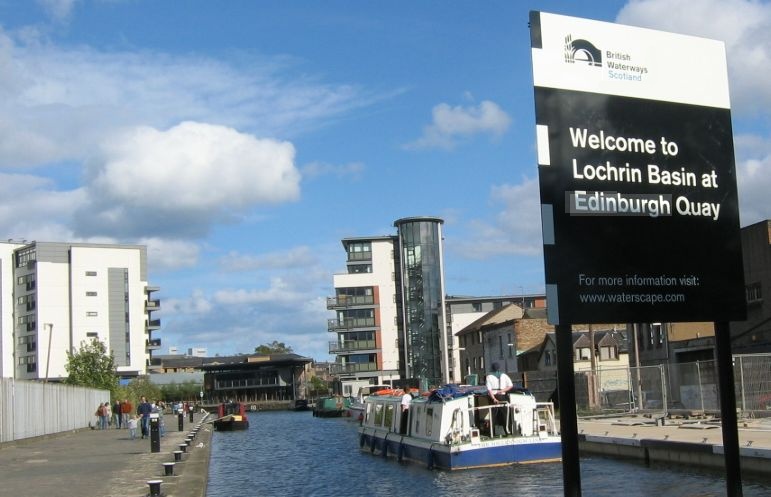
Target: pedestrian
132,426
107,415
144,409
101,414
127,411
116,415
158,411
498,385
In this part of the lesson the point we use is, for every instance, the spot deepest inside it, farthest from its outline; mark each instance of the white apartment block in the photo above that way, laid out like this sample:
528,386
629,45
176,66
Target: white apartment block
56,296
366,324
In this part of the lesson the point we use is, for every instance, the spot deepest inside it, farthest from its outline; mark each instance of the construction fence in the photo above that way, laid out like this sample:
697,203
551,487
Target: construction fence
668,387
32,409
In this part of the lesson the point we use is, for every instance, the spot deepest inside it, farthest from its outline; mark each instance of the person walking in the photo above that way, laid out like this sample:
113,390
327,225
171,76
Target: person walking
132,427
126,410
116,415
101,416
144,409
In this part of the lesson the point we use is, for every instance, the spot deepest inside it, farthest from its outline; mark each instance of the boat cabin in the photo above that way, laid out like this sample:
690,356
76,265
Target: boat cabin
462,418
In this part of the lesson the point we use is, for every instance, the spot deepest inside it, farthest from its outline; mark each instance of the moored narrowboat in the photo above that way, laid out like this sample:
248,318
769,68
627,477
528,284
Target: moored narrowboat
231,416
455,428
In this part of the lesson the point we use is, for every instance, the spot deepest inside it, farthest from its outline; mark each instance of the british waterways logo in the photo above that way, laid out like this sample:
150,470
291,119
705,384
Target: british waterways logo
582,51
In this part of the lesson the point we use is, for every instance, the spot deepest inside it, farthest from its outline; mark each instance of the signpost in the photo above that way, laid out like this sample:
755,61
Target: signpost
638,189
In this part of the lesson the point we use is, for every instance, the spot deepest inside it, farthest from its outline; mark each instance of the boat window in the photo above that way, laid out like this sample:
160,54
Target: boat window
389,416
429,415
378,414
417,419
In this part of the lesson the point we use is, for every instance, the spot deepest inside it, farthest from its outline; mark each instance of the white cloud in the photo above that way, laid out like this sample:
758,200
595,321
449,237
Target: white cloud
60,103
196,166
299,258
517,227
196,304
452,124
165,254
753,185
176,183
744,26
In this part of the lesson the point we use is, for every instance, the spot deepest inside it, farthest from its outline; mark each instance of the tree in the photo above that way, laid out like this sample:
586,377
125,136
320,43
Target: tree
273,348
92,367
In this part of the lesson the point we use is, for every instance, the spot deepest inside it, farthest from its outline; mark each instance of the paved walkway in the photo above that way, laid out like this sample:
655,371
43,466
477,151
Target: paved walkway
755,433
106,463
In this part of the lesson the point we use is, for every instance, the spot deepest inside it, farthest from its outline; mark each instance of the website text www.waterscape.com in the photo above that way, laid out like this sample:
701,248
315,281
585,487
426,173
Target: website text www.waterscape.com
631,298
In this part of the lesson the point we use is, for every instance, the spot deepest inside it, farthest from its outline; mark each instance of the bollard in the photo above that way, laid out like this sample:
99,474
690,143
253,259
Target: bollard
188,441
180,420
191,415
177,455
168,469
155,487
155,434
183,447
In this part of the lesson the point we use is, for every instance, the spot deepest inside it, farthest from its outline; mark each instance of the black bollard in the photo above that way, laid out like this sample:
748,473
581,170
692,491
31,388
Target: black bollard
180,420
155,434
183,447
177,455
168,469
155,487
191,415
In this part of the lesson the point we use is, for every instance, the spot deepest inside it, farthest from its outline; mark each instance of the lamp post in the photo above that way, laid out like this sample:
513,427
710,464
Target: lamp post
50,327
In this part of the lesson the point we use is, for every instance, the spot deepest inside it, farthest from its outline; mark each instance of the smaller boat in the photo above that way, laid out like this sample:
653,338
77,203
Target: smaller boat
301,405
356,409
332,407
231,416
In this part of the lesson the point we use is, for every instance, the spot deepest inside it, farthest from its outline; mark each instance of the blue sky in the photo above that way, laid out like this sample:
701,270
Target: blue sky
242,140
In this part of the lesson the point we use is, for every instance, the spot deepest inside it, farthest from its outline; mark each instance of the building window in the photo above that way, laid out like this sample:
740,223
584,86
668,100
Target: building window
91,314
583,354
754,293
92,334
547,358
90,294
476,306
608,353
90,273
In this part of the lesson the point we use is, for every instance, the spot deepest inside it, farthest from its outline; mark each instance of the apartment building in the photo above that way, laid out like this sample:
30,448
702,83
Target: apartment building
56,296
389,308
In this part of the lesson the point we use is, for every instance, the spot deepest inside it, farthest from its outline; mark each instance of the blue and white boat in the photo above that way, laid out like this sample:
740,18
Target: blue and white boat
461,428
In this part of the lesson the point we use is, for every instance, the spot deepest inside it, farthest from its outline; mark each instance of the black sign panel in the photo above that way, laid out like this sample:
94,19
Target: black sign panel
639,203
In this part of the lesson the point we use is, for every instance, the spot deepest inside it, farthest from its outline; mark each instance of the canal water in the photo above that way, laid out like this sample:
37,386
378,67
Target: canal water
290,454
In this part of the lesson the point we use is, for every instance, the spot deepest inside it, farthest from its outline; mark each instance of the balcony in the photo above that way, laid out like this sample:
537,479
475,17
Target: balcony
343,301
351,345
350,323
153,344
153,324
153,305
358,367
359,256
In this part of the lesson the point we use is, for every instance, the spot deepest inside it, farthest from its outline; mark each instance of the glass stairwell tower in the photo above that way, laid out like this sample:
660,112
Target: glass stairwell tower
421,265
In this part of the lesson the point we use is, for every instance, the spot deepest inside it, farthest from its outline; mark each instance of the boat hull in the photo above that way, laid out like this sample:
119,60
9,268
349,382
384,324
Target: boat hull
231,425
497,452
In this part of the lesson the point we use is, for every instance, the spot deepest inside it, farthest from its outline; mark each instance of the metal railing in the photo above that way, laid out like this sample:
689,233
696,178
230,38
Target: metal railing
351,345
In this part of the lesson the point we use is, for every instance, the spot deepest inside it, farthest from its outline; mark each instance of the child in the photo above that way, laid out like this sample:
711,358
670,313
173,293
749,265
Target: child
132,426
